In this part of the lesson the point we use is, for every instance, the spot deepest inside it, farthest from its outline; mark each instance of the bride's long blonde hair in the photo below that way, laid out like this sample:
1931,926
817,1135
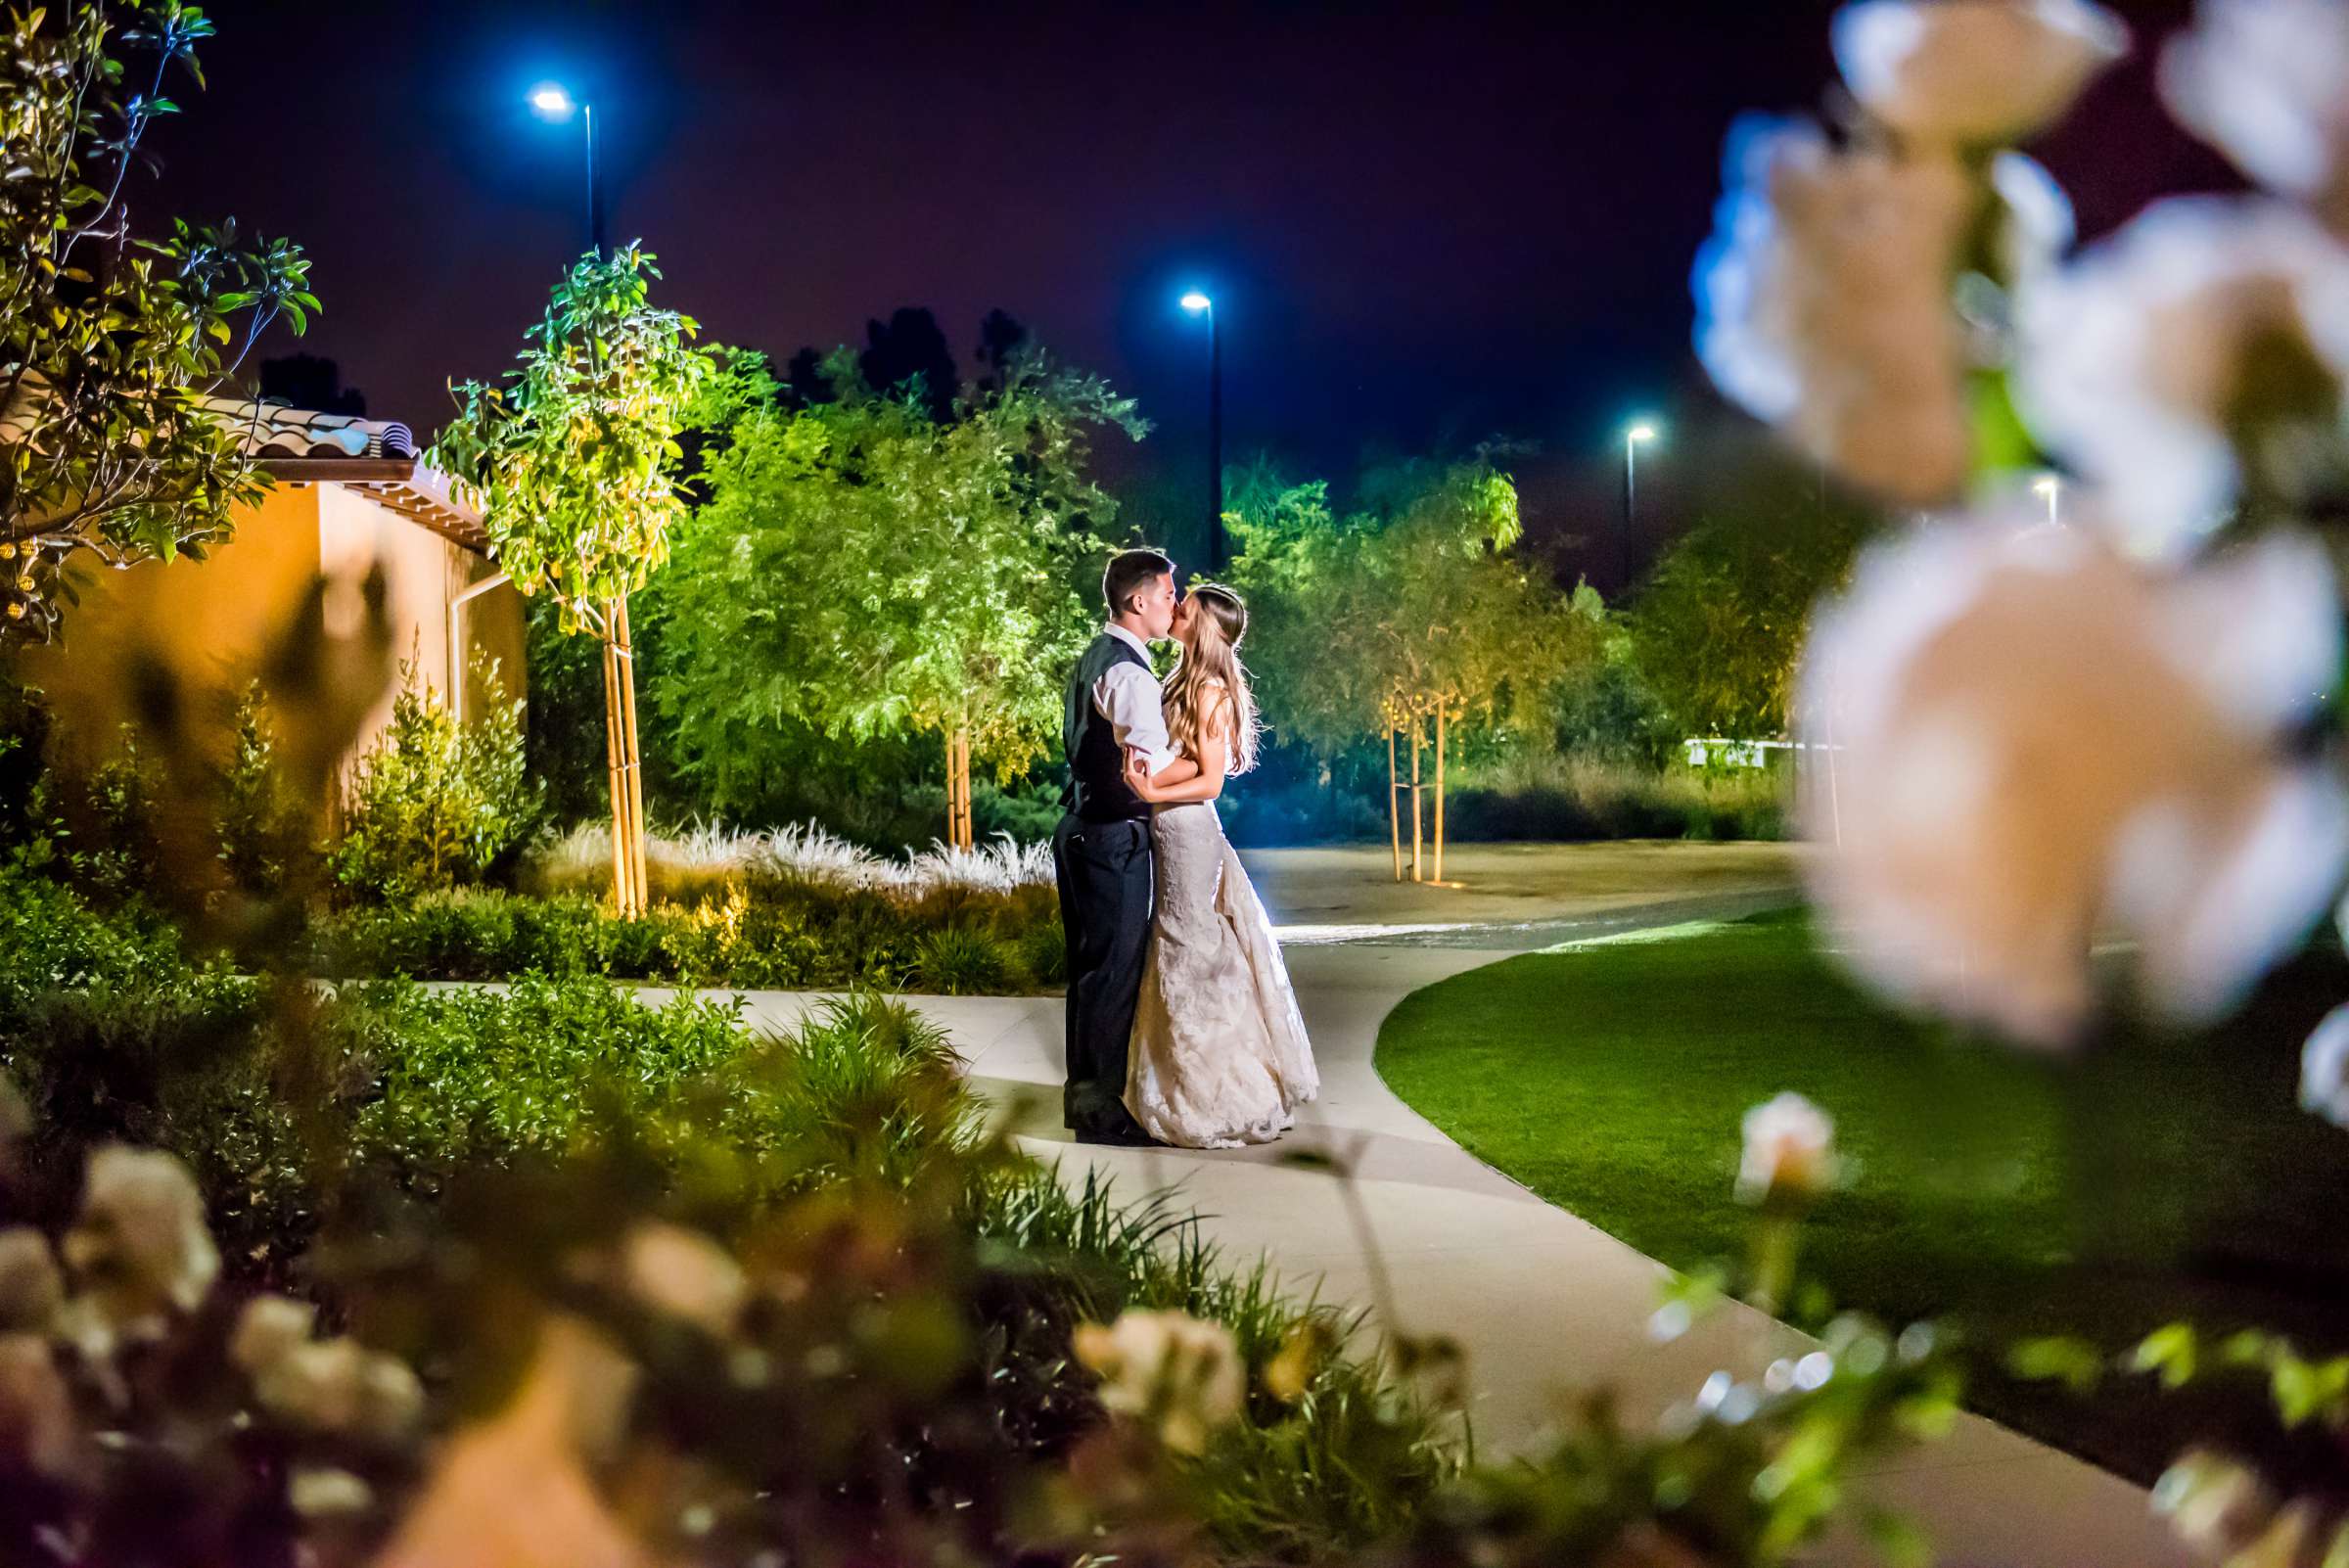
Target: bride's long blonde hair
1219,625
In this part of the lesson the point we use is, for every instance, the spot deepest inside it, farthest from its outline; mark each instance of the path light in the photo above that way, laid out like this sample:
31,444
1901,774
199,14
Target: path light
2050,490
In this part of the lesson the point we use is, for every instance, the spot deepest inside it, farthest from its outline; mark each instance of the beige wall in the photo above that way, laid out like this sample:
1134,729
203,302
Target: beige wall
212,621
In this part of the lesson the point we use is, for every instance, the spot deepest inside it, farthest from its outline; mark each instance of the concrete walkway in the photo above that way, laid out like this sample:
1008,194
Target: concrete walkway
1545,1305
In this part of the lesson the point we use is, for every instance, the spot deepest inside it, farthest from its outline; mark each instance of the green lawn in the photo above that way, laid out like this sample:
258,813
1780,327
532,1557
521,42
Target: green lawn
2105,1195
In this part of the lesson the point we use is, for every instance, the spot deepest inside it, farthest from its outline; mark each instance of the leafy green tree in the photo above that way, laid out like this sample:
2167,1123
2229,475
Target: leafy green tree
436,802
576,460
1415,613
1717,628
865,570
110,345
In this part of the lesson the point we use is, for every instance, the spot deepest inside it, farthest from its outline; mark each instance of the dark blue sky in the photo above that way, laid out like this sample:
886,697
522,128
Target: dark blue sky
1421,229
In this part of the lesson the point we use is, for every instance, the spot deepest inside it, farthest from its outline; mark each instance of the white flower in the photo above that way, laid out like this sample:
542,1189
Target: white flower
317,1491
2038,225
2267,82
686,1274
32,1289
2134,364
2213,1503
1973,72
36,1409
2035,739
269,1329
1789,1150
332,1385
1169,1368
2325,1069
1824,305
140,1244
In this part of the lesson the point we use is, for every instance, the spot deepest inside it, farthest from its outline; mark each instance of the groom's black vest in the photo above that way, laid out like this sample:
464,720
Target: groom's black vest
1097,791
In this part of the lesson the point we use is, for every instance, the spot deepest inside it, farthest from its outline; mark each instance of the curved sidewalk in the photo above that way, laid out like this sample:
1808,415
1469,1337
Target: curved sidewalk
1545,1305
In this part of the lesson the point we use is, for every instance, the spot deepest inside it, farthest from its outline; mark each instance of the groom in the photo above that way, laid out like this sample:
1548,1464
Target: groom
1101,849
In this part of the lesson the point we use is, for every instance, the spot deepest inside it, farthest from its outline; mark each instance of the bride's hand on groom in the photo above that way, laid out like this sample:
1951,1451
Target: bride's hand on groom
1137,776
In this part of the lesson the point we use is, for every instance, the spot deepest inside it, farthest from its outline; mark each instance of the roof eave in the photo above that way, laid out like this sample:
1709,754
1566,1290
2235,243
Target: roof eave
405,485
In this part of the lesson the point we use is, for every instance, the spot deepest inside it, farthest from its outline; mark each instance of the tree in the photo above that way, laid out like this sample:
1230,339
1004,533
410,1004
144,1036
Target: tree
1718,626
577,462
865,570
110,344
908,354
1412,614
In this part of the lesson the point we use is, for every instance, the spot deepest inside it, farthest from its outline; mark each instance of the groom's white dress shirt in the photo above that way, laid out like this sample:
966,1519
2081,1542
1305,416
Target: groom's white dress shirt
1128,696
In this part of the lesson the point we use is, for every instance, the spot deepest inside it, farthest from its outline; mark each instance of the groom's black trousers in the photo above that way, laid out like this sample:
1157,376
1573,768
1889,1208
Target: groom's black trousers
1105,889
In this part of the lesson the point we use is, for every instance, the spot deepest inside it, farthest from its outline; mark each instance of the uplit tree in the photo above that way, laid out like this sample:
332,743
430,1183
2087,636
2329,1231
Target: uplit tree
111,343
867,571
1717,628
1401,619
575,461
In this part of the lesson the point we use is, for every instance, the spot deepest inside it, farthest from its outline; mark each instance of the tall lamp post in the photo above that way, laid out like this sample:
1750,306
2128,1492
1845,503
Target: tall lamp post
1198,303
1638,432
554,104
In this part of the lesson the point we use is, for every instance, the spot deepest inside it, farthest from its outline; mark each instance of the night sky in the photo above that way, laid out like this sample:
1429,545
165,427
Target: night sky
1420,230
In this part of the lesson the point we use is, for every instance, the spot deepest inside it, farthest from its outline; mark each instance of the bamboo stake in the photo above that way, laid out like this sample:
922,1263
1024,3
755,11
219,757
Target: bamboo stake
1417,737
1394,820
1439,792
632,759
620,791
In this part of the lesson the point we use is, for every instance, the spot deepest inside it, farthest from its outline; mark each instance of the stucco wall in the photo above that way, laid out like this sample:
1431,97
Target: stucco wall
212,621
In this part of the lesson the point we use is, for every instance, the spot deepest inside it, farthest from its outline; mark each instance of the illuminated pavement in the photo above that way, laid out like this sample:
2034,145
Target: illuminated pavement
1545,1305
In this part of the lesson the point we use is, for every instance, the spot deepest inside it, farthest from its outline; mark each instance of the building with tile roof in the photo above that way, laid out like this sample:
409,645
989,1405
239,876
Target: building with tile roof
350,496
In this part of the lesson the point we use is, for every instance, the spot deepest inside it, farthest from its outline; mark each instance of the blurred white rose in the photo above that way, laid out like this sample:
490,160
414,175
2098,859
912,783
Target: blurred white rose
2267,82
1182,1376
2325,1069
2035,740
331,1385
686,1274
1789,1150
1823,304
268,1329
1973,72
140,1245
2213,1502
2137,361
31,1288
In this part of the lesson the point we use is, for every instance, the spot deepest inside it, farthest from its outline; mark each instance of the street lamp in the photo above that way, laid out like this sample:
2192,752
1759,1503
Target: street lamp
2050,489
1199,304
1638,431
553,102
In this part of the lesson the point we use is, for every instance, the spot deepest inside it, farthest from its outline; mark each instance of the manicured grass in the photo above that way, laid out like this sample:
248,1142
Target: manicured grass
2148,1179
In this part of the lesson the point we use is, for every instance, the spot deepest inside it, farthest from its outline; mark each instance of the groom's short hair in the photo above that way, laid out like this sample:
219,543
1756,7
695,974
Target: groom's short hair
1130,572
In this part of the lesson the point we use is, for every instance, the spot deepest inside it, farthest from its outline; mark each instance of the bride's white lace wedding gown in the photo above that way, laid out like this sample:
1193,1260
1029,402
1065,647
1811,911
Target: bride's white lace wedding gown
1219,1055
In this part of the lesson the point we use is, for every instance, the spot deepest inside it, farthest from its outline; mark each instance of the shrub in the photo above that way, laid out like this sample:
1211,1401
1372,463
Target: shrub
436,802
959,962
263,831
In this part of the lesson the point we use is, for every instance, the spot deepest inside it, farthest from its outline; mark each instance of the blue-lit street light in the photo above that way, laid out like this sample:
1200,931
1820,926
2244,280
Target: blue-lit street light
1639,432
552,102
1198,303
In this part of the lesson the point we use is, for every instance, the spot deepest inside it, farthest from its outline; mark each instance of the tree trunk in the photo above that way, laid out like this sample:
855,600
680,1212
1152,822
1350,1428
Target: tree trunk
1418,738
628,892
1394,814
1438,794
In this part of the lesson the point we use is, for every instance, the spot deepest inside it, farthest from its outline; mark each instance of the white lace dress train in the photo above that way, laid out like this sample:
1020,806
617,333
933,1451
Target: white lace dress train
1218,1056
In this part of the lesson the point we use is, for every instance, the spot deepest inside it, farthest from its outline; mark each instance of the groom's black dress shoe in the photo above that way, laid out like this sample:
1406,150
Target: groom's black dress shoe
1129,1136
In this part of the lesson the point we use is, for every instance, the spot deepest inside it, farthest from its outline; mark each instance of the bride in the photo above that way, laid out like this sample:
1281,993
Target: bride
1219,1055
